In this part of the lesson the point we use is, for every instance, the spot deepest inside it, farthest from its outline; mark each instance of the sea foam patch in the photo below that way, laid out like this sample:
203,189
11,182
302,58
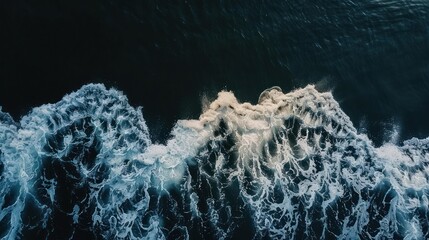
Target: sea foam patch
290,167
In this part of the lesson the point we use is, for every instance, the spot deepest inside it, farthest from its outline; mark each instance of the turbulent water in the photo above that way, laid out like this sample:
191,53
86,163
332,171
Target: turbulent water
290,167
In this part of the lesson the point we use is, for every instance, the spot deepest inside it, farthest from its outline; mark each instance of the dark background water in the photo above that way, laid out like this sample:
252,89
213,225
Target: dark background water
373,55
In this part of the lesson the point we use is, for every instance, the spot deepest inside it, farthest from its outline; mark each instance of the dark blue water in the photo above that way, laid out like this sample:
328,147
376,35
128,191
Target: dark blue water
297,163
372,54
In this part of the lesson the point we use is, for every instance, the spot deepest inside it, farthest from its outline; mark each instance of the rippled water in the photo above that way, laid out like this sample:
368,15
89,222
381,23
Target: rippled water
165,56
341,152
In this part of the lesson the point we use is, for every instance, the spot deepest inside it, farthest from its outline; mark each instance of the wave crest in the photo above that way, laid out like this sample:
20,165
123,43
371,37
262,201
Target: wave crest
292,166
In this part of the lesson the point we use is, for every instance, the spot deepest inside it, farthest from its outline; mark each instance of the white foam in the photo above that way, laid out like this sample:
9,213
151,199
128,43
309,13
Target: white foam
291,155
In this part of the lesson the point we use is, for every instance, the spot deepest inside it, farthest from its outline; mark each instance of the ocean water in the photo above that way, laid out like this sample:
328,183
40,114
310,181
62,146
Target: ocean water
214,120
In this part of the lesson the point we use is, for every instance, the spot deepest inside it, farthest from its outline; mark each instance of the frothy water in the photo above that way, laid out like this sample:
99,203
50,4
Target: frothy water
290,167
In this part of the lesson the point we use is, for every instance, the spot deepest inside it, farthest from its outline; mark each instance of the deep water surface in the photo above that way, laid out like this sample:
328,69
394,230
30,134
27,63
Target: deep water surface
374,55
179,140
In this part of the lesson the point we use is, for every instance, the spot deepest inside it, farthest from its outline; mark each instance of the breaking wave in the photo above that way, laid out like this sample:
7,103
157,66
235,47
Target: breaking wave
290,167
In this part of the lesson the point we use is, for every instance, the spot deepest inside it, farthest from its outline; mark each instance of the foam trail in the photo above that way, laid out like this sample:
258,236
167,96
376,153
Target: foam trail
290,167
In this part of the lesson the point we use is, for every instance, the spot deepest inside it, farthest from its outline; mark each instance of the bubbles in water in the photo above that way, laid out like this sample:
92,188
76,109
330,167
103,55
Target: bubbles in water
292,166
